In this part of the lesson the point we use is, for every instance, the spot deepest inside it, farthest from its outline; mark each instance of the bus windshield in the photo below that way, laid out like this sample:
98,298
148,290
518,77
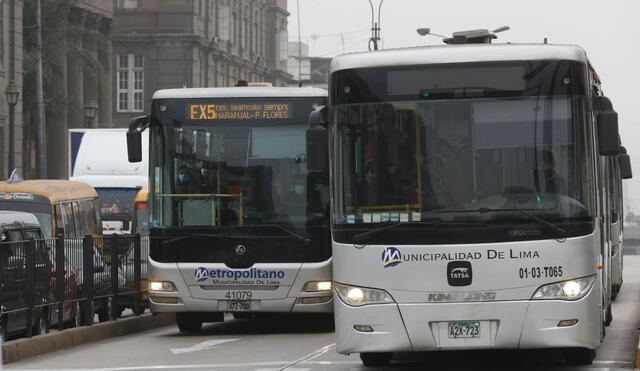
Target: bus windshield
239,172
115,203
438,150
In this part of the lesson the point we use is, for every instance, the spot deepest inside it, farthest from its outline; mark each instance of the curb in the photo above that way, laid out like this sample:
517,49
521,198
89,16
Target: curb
15,350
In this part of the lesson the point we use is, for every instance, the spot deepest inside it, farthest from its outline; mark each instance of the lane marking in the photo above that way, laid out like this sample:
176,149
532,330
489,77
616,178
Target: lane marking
309,356
205,345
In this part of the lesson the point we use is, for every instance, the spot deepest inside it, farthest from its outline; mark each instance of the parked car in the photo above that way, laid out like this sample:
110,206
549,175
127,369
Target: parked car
15,229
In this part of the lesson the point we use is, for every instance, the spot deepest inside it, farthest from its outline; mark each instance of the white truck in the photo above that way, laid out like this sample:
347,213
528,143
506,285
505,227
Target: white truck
99,157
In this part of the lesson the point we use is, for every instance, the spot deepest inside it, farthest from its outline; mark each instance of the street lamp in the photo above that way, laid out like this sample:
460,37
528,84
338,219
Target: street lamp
90,110
12,93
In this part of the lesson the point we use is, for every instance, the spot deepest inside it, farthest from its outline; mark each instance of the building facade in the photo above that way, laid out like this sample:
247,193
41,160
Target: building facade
82,61
307,70
11,70
194,43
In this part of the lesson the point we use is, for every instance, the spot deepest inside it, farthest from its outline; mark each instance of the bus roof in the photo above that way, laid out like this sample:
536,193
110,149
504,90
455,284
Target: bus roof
54,190
458,54
142,195
240,92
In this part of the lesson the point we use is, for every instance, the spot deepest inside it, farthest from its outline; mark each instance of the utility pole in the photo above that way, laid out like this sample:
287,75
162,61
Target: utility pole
375,26
41,144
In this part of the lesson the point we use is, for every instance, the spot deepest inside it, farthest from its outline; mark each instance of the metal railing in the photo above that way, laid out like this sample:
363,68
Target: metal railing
69,280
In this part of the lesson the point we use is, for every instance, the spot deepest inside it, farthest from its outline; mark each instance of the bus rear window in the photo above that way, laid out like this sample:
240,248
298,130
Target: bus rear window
116,202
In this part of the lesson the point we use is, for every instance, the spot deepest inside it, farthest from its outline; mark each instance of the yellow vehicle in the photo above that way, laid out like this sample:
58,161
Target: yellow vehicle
140,214
62,207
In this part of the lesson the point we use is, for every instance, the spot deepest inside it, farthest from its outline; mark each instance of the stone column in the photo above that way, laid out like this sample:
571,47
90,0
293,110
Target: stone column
105,83
75,71
56,128
90,69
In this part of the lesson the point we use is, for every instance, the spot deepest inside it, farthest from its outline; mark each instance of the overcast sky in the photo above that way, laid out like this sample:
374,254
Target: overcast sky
609,31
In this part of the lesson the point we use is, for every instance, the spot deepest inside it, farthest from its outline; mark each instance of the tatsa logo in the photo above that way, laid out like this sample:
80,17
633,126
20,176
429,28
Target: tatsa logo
391,257
201,274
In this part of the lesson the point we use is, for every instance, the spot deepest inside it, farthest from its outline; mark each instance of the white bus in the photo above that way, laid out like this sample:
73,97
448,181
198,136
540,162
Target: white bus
621,169
98,157
239,222
470,204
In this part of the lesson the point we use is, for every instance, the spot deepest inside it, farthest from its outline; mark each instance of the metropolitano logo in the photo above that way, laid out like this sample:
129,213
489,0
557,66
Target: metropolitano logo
201,274
391,257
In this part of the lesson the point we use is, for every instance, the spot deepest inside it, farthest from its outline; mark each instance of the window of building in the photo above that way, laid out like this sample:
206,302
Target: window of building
130,82
234,30
245,34
223,22
129,4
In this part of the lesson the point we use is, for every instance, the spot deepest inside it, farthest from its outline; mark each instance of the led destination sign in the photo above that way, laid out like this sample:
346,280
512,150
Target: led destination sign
239,111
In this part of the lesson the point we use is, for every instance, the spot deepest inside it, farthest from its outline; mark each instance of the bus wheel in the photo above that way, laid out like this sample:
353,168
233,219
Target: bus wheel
580,356
188,322
609,316
376,359
615,289
4,332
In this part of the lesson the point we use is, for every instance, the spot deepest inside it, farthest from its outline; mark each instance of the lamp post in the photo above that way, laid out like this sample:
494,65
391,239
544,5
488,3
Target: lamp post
12,93
90,110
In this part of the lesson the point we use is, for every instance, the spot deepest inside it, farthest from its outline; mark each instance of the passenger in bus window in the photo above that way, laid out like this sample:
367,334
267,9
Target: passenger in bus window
553,182
187,182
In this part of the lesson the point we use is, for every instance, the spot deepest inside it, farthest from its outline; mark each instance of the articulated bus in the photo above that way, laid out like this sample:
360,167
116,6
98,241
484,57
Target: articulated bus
238,221
472,194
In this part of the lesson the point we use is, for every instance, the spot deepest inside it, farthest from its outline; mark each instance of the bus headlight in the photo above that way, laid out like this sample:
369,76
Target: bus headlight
164,286
359,296
315,286
565,290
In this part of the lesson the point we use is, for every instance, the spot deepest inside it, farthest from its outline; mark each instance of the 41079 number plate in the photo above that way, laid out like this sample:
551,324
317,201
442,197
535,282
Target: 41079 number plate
468,329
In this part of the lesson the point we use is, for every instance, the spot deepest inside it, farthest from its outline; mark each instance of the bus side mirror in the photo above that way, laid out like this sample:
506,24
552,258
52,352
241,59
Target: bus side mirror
624,161
607,121
134,137
134,145
318,141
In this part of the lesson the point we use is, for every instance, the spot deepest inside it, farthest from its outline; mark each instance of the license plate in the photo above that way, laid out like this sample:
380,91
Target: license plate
464,330
239,306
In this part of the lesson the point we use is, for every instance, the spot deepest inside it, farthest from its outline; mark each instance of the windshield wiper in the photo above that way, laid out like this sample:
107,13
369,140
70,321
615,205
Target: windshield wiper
288,231
217,235
362,237
561,233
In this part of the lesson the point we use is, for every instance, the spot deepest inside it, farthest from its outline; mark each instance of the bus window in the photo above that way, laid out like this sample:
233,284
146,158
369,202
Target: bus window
68,220
79,218
91,217
59,223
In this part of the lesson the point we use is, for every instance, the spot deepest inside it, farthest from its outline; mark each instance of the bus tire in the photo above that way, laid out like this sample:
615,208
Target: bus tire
579,356
615,290
188,322
609,316
375,359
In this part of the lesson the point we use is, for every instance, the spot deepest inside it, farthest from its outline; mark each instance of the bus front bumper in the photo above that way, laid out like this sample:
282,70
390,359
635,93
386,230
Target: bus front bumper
174,303
503,325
